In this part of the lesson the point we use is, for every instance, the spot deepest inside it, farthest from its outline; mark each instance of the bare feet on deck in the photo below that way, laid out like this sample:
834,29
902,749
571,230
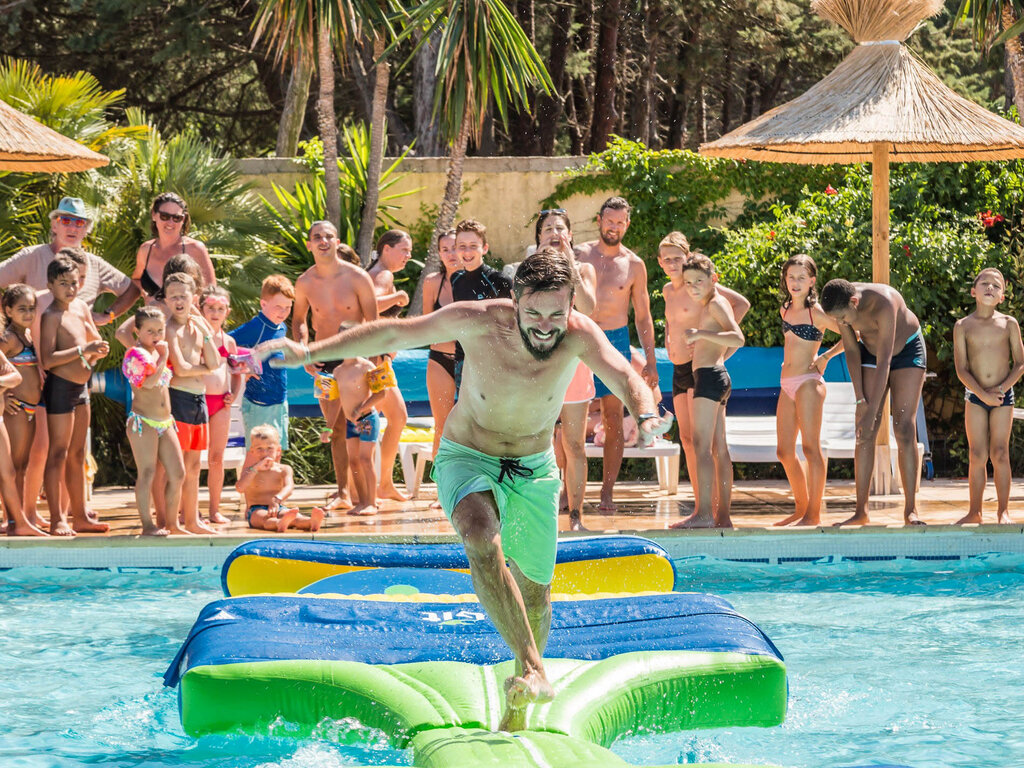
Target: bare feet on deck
24,529
216,518
694,521
177,530
90,526
607,504
389,491
533,687
201,528
36,521
576,521
363,510
1003,518
860,518
435,505
970,517
285,518
337,501
798,515
61,528
912,518
316,518
154,531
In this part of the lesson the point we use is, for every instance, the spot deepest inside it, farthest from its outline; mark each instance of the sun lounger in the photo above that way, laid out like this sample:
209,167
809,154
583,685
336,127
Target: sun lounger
234,454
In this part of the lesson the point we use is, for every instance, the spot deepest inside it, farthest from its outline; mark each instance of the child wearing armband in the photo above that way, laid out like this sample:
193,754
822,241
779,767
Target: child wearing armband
151,429
361,385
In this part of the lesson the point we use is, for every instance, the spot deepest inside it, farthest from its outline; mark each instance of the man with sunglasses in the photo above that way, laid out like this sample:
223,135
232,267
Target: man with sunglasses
70,222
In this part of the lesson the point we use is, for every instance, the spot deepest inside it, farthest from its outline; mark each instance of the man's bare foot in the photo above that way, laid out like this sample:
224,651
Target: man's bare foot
316,518
970,517
1003,518
90,526
607,504
363,510
435,505
216,518
860,518
61,528
531,688
24,529
789,520
389,491
154,531
694,521
723,520
913,519
337,501
576,521
177,530
810,520
201,528
286,517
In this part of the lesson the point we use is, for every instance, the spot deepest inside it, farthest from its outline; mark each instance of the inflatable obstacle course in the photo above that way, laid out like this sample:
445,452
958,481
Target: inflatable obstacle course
381,645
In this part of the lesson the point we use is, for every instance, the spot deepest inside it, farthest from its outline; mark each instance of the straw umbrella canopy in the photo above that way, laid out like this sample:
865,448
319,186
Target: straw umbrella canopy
880,105
28,145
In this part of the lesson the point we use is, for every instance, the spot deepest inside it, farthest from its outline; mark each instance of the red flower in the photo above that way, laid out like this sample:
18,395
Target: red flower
990,220
771,234
906,251
830,190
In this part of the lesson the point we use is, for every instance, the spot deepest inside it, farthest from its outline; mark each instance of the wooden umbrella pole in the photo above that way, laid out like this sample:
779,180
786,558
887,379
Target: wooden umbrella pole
883,476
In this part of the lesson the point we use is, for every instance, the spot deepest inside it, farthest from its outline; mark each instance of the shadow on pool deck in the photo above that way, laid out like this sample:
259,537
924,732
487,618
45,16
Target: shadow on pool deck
642,508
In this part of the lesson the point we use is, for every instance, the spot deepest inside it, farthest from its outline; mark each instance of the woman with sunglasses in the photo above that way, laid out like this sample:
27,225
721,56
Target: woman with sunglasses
169,222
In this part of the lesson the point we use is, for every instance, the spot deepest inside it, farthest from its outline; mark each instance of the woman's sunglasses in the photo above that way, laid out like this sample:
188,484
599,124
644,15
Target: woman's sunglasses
177,218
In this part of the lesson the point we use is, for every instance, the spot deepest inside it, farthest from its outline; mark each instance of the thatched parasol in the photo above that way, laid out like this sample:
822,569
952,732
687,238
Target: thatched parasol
28,145
880,105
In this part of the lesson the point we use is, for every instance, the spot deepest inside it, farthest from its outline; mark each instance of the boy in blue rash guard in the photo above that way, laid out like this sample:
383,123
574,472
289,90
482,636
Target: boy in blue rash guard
266,396
495,469
889,357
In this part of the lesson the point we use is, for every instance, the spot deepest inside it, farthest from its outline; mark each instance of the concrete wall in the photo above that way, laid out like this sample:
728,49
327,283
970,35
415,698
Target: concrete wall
502,192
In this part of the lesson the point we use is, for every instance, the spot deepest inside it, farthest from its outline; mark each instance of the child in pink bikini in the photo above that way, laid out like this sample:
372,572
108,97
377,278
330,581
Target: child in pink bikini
803,387
19,310
150,426
222,387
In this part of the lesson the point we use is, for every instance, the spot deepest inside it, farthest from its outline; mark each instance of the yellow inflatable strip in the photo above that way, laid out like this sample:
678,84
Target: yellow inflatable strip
423,597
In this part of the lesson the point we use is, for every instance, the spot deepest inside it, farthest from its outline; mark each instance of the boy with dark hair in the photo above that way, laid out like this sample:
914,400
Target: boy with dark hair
989,359
265,400
69,346
889,356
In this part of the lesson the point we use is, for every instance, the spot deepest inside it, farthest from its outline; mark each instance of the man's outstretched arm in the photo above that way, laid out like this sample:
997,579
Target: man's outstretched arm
379,336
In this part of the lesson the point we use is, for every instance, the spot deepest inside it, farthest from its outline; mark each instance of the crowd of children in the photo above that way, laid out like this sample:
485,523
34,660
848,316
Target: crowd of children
186,371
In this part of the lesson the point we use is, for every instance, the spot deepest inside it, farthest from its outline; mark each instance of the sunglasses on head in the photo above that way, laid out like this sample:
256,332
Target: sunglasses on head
546,211
177,218
72,221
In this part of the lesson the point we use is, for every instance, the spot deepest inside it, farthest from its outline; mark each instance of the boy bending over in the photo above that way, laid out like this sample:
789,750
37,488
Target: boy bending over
266,483
361,385
989,360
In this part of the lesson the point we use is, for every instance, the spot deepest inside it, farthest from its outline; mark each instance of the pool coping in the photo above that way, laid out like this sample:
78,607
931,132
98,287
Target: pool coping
776,546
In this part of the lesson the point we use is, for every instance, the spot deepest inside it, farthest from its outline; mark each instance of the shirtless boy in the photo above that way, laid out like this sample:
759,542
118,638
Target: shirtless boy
496,472
69,346
266,483
890,356
362,392
682,312
192,356
621,281
989,360
339,294
716,332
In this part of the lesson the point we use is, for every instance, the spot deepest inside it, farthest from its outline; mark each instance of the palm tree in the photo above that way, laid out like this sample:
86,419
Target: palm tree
484,58
295,29
999,21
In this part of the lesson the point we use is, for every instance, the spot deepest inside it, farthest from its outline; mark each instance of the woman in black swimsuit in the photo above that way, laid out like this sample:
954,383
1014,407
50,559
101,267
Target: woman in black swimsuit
169,223
437,292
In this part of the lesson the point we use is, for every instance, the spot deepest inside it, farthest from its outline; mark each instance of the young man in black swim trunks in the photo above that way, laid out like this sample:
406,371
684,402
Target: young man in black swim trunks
890,356
716,333
69,347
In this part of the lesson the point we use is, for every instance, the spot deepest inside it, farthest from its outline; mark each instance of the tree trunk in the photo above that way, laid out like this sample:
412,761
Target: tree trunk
644,105
727,86
428,133
449,206
294,112
550,107
1015,58
605,114
581,102
378,127
522,126
328,124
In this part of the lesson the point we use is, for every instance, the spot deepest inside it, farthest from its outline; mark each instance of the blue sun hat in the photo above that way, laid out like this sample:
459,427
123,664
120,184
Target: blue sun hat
71,206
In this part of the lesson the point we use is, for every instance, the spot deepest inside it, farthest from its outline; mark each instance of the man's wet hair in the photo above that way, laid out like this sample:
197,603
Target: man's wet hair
59,267
474,226
615,204
698,262
547,269
558,214
836,295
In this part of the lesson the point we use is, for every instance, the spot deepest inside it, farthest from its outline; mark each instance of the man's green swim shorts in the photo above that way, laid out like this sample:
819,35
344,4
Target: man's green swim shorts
526,491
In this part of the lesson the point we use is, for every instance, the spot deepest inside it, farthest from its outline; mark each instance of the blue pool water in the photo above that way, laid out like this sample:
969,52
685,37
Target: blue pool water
892,665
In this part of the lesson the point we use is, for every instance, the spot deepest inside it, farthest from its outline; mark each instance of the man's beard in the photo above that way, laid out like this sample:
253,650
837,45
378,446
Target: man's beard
539,354
610,239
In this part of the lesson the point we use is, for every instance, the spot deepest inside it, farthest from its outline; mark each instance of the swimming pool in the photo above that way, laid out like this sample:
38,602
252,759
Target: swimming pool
889,664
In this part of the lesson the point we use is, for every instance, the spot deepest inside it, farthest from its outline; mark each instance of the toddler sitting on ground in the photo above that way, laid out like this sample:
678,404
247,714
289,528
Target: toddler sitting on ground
266,483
